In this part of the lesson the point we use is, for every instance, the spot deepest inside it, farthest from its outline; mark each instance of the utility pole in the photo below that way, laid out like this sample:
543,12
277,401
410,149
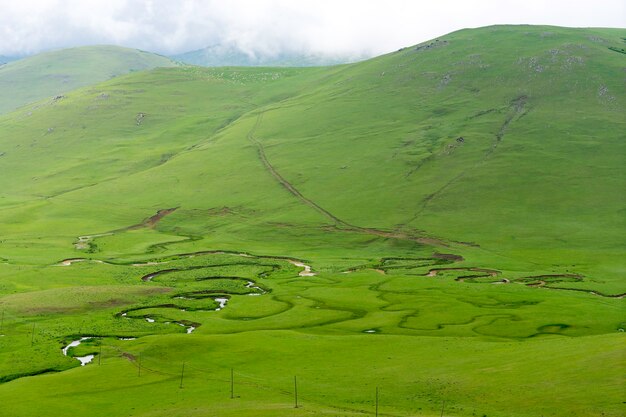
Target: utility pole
376,401
295,391
442,407
232,384
182,375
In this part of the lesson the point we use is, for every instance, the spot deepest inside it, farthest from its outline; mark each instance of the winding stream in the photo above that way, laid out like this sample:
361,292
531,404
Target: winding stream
251,285
70,261
84,360
189,329
222,302
307,269
83,243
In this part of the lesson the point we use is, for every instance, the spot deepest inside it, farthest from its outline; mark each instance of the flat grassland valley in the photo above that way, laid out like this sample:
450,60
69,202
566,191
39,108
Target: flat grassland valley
435,231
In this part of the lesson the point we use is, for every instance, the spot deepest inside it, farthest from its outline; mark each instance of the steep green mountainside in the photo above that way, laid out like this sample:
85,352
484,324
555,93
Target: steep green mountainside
509,138
54,73
371,208
224,55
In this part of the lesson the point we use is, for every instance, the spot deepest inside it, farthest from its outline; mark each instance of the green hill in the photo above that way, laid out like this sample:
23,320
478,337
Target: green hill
410,184
53,73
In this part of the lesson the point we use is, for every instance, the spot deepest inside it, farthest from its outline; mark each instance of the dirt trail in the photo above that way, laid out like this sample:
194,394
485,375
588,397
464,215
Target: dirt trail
516,109
339,223
293,190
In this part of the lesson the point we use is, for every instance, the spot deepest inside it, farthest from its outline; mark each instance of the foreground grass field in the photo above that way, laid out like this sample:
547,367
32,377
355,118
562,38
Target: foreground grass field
444,223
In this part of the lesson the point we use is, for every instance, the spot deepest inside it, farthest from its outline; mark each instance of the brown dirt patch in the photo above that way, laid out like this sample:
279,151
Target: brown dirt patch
489,272
448,257
153,220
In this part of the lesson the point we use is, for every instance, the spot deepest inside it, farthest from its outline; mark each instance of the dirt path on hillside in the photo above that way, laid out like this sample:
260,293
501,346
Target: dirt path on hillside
286,184
340,224
516,110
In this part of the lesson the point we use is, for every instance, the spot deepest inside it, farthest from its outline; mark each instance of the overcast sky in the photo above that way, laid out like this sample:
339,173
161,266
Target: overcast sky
271,26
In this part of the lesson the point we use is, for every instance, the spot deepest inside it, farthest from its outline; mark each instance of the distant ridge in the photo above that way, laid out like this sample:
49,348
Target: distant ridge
6,59
52,73
224,55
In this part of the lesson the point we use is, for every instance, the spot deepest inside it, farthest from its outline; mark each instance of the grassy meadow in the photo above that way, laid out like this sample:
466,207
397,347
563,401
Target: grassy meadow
445,222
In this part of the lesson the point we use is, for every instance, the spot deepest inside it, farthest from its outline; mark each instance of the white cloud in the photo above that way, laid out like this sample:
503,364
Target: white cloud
273,26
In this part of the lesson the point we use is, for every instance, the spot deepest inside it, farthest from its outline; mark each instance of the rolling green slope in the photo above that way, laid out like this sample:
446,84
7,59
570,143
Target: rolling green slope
410,184
517,150
508,138
53,73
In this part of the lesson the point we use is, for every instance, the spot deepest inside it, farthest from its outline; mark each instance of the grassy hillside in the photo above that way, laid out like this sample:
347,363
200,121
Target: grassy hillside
50,74
460,204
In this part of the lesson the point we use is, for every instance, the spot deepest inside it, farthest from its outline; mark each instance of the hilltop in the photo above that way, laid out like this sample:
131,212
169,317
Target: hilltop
53,73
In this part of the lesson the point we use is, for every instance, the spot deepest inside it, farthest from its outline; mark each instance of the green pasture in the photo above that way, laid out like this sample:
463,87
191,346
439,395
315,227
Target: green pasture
444,222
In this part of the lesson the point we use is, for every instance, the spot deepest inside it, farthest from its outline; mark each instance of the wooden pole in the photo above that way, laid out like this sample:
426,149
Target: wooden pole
376,401
295,391
442,407
232,384
182,375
